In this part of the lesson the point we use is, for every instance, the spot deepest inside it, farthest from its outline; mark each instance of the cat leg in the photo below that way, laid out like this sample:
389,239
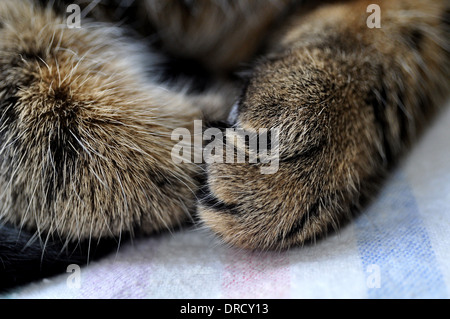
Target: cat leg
347,99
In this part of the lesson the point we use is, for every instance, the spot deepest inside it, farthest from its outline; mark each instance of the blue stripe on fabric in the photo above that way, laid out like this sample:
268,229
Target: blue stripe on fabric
394,245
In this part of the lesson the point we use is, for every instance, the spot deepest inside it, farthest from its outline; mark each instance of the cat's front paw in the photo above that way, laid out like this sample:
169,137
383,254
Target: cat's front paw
85,139
327,147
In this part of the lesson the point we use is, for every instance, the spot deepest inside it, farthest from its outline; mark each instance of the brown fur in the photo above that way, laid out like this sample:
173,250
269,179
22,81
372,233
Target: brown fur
85,138
347,99
221,34
85,132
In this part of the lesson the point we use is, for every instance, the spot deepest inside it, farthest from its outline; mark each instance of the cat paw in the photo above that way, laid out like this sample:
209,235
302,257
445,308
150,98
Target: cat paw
326,149
85,138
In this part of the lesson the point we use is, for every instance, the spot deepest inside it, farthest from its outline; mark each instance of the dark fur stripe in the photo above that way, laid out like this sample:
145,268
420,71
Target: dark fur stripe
446,18
309,153
207,199
297,227
378,100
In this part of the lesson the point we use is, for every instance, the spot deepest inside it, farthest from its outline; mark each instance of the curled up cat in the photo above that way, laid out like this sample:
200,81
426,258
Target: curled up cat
269,123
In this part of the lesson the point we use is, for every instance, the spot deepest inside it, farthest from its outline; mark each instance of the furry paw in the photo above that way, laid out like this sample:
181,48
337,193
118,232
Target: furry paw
85,137
327,146
346,99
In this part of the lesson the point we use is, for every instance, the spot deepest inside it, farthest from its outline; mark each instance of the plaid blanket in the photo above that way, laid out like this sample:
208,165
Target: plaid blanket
398,247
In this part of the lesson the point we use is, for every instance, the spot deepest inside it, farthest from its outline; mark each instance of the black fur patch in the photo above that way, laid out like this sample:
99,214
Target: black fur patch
37,55
23,259
174,69
415,38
